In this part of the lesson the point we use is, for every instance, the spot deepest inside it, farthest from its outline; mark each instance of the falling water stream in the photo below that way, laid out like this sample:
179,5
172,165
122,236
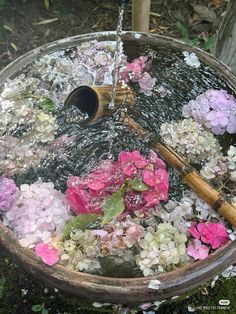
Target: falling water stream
118,54
115,74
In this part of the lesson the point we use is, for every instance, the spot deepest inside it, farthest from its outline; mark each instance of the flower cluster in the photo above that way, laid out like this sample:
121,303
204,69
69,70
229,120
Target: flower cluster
119,235
44,128
8,192
89,63
80,252
161,249
38,214
191,59
215,109
136,72
17,155
114,240
216,168
213,234
232,162
86,194
188,138
18,111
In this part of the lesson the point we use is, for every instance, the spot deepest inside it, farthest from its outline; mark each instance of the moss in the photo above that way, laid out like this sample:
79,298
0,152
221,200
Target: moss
14,302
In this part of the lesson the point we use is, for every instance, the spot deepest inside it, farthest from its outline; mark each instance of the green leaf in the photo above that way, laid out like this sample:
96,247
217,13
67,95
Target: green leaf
47,104
2,282
1,294
47,3
79,222
138,185
44,311
37,308
183,31
209,43
113,206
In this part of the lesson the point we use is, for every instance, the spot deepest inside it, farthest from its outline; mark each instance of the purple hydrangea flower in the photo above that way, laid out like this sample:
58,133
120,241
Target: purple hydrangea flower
215,109
8,192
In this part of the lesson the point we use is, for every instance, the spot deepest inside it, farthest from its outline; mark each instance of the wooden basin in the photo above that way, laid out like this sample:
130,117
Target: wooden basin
118,290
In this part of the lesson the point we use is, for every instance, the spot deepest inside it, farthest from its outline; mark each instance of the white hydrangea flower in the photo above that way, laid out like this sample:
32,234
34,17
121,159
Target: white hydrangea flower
188,138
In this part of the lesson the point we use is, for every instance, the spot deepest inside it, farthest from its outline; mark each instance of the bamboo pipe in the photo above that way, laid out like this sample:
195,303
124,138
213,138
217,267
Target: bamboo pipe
141,15
188,174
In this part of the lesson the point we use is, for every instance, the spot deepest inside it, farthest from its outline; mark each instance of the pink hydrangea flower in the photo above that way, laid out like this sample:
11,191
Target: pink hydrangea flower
135,72
8,191
214,234
146,82
86,194
48,255
197,250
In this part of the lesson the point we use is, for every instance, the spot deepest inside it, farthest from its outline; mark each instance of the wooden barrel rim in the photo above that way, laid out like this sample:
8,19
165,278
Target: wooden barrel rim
118,290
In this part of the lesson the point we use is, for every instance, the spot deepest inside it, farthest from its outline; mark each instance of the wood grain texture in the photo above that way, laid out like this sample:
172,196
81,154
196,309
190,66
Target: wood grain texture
118,290
226,40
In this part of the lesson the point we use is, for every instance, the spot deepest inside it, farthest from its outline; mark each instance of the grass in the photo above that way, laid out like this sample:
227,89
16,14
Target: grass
22,294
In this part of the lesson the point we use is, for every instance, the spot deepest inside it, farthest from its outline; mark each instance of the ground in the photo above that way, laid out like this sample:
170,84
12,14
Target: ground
26,24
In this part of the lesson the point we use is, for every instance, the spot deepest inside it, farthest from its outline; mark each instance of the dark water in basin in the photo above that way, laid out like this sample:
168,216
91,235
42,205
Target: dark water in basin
92,144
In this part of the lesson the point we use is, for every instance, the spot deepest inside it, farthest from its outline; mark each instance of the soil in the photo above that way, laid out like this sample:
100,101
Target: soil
20,32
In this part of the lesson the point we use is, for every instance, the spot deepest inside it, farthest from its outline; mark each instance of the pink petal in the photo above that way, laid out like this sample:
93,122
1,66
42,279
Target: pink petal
148,177
48,255
156,160
201,227
124,157
203,252
161,174
193,231
41,248
96,186
129,169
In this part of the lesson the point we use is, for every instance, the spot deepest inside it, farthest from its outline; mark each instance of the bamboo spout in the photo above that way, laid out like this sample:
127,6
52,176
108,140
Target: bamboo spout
141,15
95,101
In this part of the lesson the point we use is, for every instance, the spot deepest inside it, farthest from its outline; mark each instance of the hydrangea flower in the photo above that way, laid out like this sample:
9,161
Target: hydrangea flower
214,234
215,109
80,252
48,255
17,155
190,139
196,250
191,59
136,72
38,214
232,162
161,249
86,194
8,192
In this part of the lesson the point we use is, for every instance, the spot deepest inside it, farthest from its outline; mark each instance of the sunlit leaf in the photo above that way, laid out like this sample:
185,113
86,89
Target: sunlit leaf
79,222
13,46
8,28
138,185
47,3
37,308
47,104
113,206
48,21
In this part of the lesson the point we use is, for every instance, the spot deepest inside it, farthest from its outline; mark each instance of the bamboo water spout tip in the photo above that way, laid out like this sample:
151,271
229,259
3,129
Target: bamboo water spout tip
95,100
